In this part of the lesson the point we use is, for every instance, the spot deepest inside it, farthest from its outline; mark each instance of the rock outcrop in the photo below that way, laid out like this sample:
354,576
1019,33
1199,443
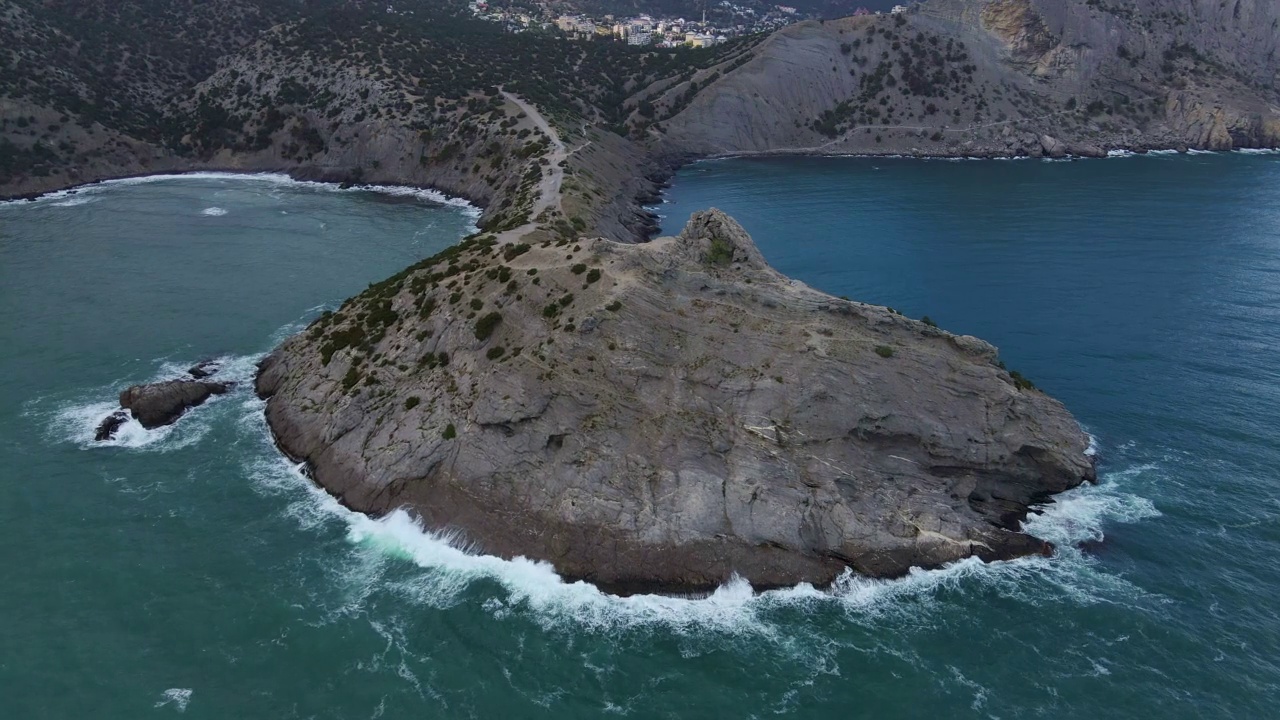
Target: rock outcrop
110,425
662,416
163,403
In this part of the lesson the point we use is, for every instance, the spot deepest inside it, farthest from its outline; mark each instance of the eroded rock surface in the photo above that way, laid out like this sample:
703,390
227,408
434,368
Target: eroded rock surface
162,403
661,416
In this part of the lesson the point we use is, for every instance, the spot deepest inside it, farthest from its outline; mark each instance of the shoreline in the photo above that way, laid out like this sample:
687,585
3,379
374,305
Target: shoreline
342,179
332,180
1116,152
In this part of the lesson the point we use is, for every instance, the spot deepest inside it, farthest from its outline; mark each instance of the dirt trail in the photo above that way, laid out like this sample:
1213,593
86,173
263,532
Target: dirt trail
549,187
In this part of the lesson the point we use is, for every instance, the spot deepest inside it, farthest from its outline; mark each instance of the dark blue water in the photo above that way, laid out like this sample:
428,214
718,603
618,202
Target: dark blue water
1145,293
192,572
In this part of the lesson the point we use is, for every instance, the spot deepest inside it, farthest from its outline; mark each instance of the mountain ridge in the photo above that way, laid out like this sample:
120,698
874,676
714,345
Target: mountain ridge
343,92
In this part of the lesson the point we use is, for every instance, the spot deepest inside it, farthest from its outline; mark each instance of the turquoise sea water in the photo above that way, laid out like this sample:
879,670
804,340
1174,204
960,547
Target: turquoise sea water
191,572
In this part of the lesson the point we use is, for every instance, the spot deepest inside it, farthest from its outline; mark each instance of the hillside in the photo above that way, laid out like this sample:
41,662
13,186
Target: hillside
995,77
344,90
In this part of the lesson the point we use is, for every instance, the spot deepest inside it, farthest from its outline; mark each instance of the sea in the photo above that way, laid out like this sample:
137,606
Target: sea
193,572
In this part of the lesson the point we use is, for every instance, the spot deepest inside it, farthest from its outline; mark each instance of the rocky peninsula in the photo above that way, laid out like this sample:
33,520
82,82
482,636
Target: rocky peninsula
658,417
652,416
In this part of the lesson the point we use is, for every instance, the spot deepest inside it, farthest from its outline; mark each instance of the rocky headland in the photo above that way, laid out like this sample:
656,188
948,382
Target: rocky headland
661,416
652,416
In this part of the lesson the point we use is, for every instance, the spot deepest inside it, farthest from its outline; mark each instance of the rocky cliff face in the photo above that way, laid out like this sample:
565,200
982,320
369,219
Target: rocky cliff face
660,416
990,77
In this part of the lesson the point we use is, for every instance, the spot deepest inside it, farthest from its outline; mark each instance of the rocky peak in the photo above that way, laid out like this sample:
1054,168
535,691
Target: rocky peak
716,240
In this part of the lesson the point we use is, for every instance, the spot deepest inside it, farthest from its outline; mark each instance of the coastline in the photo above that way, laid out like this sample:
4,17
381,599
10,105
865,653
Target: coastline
669,164
299,176
1108,153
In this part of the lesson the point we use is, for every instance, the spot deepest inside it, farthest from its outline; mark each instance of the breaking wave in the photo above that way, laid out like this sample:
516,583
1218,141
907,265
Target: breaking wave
177,697
80,195
213,212
78,421
446,571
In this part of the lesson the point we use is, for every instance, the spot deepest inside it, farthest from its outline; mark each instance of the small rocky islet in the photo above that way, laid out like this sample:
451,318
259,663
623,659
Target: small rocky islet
663,416
161,403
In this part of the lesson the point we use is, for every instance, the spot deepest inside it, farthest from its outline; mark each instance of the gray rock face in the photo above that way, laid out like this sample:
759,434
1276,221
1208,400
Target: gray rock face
1052,147
162,403
661,416
1090,76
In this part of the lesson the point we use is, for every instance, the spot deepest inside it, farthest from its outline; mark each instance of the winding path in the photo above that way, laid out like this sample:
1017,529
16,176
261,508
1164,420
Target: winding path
549,187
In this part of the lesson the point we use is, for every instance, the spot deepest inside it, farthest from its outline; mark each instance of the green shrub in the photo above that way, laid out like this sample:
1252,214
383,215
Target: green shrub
495,352
884,351
511,252
476,303
578,269
450,432
1020,381
412,403
593,276
487,324
351,378
614,306
720,252
928,321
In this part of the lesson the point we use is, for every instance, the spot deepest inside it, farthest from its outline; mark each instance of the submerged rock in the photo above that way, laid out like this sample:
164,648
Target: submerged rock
658,417
204,369
109,425
162,403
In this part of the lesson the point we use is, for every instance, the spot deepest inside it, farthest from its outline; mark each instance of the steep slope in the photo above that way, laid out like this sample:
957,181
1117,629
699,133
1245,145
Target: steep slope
339,90
660,416
995,77
85,86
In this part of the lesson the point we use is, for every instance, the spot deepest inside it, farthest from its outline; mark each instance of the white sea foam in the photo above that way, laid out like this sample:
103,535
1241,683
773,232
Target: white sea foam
75,200
214,212
1258,151
1079,515
59,198
77,422
277,179
1120,153
177,697
1194,151
449,568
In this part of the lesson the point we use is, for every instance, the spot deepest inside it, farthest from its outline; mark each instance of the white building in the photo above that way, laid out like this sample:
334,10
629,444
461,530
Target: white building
576,24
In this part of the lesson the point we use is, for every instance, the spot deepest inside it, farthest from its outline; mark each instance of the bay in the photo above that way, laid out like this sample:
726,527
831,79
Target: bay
193,572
